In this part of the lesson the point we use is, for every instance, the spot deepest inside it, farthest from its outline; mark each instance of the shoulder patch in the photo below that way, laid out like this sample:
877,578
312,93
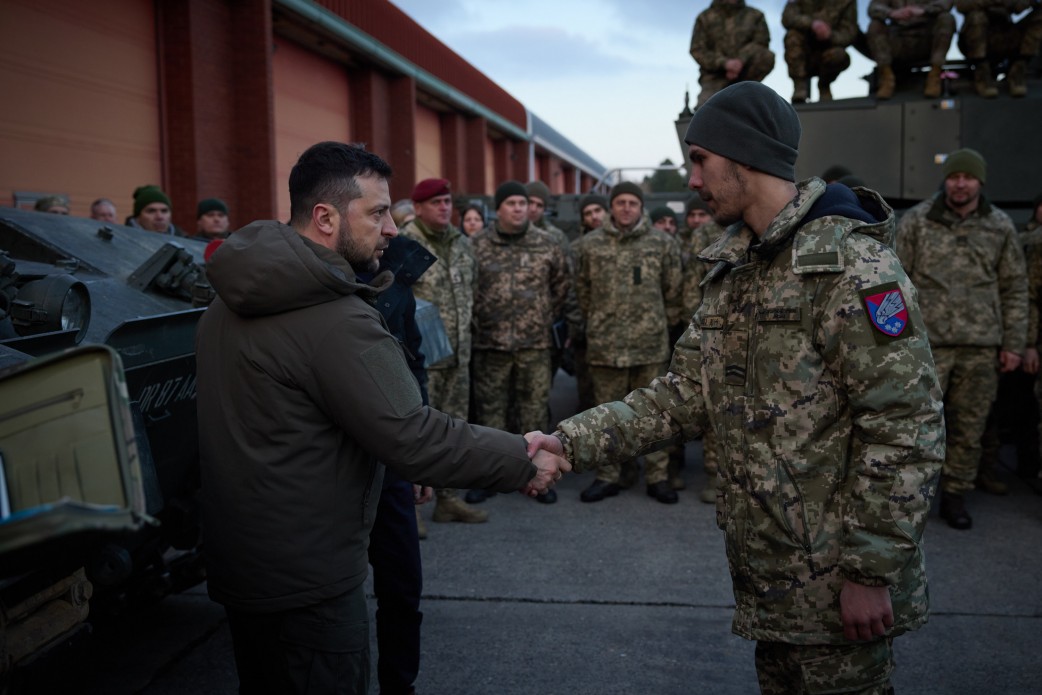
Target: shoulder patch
886,309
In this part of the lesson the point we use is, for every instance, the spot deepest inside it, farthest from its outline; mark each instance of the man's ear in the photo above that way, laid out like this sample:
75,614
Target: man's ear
326,218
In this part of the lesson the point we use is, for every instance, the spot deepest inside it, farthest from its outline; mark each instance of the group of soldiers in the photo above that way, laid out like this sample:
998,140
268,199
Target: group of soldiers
730,43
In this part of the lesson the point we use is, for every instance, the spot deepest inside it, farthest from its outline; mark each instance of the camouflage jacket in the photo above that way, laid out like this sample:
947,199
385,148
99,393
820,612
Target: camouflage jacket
629,286
881,9
830,427
969,272
726,31
841,15
523,285
692,243
449,285
1031,240
561,238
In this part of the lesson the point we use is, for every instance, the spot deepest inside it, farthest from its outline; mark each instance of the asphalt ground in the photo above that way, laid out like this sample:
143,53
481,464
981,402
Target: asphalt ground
623,596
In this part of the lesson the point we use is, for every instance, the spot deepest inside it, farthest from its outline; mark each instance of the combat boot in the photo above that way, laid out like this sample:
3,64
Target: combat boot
824,91
983,82
932,90
953,510
887,82
455,509
1017,78
421,528
801,90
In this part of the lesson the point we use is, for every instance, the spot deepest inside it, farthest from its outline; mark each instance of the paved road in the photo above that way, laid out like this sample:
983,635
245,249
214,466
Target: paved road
624,596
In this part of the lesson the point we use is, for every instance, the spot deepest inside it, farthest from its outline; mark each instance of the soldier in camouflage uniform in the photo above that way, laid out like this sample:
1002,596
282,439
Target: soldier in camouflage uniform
593,209
629,285
449,285
964,257
990,35
909,31
730,43
523,283
808,357
816,38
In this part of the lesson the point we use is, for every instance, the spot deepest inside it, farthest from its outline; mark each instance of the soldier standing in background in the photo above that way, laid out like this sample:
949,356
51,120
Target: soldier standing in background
523,283
989,35
449,285
809,358
730,43
701,232
816,39
665,219
909,31
593,208
629,285
963,255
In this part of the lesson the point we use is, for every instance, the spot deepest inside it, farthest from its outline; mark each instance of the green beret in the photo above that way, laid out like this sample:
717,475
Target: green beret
210,205
146,195
966,161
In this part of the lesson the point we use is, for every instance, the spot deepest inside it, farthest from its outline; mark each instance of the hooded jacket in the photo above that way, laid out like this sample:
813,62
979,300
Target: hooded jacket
301,390
809,359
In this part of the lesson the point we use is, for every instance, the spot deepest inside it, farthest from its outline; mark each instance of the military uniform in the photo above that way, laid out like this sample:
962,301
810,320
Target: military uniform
989,35
805,55
729,30
926,38
449,285
809,359
972,282
523,283
629,286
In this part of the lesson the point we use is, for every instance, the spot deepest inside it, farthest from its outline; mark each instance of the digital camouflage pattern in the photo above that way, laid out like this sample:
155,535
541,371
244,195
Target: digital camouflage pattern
804,54
831,431
629,286
523,284
969,272
694,269
924,38
512,383
988,29
846,668
729,30
449,285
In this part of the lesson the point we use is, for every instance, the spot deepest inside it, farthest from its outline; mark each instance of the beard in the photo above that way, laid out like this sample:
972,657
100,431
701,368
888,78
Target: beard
733,187
351,251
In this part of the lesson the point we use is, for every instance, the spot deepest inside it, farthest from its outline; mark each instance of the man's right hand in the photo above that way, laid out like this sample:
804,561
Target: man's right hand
547,453
732,69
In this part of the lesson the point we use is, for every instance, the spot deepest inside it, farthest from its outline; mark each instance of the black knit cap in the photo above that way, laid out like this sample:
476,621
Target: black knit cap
508,189
592,199
695,202
662,211
749,123
626,187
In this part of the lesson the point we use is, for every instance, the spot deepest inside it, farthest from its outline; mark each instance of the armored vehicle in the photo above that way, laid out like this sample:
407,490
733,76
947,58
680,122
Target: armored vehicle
98,451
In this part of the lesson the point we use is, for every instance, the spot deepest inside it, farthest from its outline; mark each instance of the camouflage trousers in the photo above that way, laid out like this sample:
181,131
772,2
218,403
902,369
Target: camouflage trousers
891,44
755,69
583,380
853,668
969,378
808,57
506,382
612,384
449,391
710,453
996,36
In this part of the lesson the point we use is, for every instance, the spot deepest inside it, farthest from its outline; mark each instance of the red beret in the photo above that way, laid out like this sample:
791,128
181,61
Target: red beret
429,188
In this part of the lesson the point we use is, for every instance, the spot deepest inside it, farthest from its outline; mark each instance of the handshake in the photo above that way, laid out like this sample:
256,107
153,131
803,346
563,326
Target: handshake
547,454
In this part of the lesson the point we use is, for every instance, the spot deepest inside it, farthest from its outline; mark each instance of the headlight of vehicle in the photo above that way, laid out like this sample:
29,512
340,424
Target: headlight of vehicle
52,303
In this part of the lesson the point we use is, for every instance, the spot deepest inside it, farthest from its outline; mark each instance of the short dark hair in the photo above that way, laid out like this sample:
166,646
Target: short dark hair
327,173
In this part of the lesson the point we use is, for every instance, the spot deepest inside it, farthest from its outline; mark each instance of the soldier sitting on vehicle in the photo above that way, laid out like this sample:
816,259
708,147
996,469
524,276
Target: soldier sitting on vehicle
990,35
729,43
909,31
816,38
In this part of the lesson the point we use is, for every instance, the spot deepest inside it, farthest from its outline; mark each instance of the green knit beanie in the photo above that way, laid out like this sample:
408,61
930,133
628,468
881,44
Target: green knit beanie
661,212
626,187
592,199
695,202
750,124
146,195
966,161
538,189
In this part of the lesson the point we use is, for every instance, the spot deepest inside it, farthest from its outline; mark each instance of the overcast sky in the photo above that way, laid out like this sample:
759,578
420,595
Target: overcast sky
607,74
